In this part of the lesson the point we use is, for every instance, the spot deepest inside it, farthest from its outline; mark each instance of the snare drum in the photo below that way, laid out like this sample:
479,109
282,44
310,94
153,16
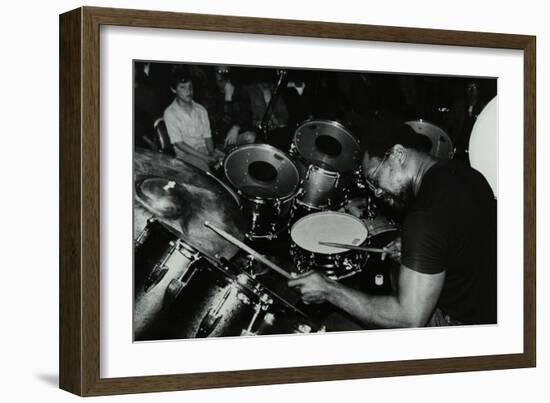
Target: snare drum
381,230
267,181
328,226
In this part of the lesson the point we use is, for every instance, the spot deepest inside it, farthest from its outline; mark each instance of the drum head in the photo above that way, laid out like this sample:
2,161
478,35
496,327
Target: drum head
328,226
442,146
483,147
327,144
261,171
381,230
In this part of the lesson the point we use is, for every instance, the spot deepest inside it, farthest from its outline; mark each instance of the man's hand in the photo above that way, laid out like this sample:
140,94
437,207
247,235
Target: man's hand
218,154
228,91
393,250
313,286
210,159
231,137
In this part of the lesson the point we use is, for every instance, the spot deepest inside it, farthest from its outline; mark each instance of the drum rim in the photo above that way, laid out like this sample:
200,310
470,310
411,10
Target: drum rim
309,206
429,122
327,121
309,216
312,164
389,225
153,219
268,200
259,199
233,194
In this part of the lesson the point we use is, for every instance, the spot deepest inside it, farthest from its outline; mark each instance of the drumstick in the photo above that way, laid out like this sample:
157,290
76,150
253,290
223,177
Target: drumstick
248,250
347,246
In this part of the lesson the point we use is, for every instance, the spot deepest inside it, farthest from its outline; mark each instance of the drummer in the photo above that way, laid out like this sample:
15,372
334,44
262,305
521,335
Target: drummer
447,252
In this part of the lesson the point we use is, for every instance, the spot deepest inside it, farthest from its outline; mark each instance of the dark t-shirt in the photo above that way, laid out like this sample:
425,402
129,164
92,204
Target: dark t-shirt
452,227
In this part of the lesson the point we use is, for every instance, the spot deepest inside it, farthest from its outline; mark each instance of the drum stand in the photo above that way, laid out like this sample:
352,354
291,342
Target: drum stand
264,124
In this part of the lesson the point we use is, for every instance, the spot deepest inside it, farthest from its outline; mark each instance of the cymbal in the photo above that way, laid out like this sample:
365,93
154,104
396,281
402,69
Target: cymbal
184,197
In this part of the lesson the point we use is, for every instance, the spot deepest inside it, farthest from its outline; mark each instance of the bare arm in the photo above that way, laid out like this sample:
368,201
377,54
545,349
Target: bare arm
209,145
177,140
186,148
412,305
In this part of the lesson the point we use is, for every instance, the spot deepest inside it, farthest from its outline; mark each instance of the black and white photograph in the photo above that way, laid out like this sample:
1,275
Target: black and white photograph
274,200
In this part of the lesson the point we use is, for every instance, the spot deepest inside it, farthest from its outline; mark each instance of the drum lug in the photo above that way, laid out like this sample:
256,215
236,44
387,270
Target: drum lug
186,250
154,277
255,217
309,169
211,319
272,235
208,324
292,151
370,209
278,206
266,301
359,179
243,298
145,233
347,264
173,290
337,181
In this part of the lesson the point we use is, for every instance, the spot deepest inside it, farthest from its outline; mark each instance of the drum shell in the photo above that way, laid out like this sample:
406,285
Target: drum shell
150,318
151,245
213,302
381,231
324,189
335,266
266,217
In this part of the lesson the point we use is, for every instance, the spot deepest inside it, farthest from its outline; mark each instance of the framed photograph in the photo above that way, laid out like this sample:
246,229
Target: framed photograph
249,201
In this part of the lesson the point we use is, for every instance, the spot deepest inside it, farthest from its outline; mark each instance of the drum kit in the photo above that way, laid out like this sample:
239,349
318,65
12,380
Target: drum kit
189,227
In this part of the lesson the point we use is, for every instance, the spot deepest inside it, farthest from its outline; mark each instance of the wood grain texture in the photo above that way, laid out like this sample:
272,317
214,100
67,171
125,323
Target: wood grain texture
530,202
90,201
70,274
80,186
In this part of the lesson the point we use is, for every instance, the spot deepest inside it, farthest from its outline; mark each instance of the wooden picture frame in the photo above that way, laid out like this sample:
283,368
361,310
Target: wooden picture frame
80,186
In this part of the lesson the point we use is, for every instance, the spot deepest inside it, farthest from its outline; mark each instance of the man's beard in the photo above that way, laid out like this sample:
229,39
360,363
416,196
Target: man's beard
400,202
